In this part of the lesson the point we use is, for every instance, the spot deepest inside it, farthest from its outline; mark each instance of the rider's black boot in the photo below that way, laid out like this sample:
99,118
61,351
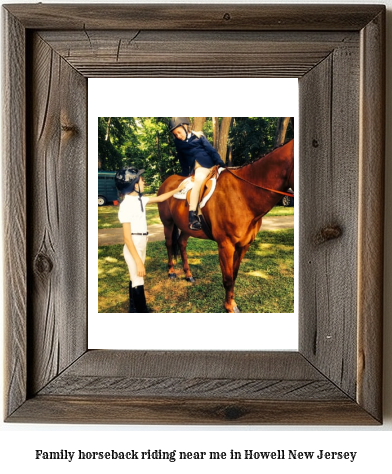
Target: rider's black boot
194,223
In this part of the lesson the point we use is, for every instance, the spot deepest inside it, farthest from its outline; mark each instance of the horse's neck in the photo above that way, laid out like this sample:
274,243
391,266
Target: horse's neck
269,172
266,173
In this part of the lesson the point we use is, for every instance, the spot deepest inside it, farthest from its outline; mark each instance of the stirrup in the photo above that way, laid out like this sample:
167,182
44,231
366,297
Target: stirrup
196,225
194,222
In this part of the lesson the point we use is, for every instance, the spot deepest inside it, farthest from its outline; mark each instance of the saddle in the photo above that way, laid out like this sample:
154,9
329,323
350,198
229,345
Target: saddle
207,188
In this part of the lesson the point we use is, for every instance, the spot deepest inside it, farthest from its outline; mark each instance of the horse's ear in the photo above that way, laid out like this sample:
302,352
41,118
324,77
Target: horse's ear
292,122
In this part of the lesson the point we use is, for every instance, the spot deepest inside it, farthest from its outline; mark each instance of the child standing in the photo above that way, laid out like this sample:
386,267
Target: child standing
132,215
197,155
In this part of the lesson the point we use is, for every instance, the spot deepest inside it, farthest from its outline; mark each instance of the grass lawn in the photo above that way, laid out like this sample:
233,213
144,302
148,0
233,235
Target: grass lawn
108,215
265,282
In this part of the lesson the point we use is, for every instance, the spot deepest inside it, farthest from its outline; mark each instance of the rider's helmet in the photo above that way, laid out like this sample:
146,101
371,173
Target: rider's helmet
126,179
175,122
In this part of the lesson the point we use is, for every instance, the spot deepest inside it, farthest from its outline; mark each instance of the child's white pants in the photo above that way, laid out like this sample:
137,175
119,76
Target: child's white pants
140,242
200,175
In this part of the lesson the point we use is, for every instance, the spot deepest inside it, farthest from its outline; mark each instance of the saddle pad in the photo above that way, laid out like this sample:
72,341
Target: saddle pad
209,186
188,186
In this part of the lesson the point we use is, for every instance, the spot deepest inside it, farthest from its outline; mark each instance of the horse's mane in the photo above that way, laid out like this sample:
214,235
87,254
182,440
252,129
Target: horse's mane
258,158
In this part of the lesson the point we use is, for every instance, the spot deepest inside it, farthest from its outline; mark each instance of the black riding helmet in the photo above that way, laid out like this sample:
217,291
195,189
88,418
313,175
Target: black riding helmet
175,122
126,179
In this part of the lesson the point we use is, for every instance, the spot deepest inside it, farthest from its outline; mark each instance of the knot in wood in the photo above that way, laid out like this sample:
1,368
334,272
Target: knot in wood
328,233
43,264
69,128
315,143
227,16
232,413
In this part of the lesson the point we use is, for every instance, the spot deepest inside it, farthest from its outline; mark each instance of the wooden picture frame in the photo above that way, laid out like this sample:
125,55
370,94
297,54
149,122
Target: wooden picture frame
338,54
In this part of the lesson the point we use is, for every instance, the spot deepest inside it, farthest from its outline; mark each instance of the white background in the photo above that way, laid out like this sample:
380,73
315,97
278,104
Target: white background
144,98
19,442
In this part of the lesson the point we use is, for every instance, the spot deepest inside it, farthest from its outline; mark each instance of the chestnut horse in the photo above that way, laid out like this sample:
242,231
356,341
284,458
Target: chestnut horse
234,212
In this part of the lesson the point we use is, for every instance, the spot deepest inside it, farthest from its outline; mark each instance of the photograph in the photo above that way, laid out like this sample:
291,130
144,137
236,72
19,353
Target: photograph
195,214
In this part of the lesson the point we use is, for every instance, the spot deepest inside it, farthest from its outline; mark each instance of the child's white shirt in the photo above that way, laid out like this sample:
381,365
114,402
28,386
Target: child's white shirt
130,211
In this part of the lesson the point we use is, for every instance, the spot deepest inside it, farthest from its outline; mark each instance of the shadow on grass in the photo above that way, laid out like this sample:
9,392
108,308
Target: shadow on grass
265,282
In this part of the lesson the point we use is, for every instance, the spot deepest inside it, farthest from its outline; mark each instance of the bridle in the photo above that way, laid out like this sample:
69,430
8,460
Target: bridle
262,187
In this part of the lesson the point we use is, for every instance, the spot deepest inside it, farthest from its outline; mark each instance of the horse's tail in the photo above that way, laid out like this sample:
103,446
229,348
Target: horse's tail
175,236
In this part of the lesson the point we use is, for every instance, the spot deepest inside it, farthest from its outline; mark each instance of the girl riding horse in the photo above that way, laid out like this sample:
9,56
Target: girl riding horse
197,155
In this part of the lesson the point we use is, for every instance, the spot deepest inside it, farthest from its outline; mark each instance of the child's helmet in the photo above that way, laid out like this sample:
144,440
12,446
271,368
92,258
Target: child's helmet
175,122
126,179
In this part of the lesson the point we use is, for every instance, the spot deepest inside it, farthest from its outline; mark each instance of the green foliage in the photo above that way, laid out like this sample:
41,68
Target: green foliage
113,132
145,142
251,137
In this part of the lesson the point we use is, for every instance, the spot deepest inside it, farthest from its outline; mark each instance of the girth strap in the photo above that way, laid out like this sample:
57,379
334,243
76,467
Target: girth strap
206,228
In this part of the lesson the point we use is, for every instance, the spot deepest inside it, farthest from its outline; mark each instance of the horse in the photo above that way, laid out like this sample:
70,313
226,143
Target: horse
234,212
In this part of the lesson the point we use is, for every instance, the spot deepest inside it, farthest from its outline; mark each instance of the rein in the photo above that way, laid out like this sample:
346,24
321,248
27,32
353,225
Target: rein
260,187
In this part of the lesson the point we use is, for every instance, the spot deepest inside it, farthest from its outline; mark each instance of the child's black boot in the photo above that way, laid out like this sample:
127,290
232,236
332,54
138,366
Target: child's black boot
131,308
139,299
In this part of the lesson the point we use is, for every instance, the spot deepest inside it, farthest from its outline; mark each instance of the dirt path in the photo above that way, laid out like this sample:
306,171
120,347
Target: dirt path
115,236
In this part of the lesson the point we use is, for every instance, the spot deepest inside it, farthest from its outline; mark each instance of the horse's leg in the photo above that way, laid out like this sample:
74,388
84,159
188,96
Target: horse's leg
182,242
226,260
168,231
238,256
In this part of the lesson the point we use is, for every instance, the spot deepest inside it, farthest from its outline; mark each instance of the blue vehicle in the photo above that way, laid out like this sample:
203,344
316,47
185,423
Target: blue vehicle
107,191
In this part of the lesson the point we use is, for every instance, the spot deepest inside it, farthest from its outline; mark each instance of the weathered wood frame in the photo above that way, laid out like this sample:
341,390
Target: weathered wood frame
337,52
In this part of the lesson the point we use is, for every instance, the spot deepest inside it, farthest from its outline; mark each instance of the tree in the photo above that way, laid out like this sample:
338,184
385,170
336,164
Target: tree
281,130
215,132
220,135
198,123
251,137
113,133
145,142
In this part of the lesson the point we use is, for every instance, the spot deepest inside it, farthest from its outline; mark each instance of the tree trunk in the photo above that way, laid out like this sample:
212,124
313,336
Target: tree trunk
198,123
108,129
229,161
281,129
223,135
215,132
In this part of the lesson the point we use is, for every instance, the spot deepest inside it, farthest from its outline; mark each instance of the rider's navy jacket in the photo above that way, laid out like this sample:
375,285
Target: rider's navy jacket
196,149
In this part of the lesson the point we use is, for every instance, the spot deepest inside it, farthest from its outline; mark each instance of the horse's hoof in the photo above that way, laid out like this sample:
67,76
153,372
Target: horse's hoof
236,309
190,279
172,276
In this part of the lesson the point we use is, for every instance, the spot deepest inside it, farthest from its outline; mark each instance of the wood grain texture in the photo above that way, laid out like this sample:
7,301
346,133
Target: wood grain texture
14,209
57,214
215,53
155,411
371,215
335,378
208,375
157,387
196,17
209,364
329,97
